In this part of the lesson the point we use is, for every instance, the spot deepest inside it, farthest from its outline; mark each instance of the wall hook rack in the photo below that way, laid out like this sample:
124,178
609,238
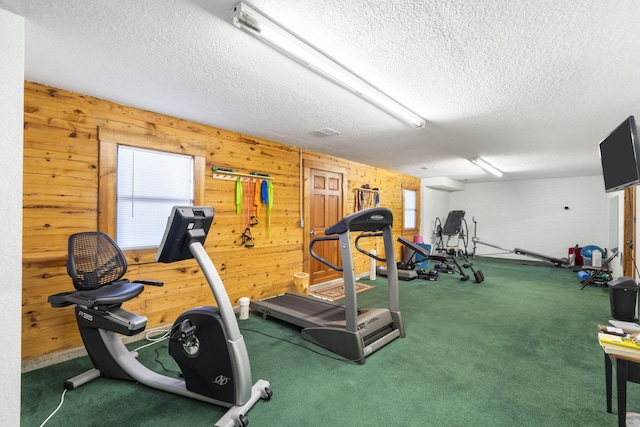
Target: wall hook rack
232,175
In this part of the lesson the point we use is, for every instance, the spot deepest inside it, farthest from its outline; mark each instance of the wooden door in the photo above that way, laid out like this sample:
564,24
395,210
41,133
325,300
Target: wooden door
325,209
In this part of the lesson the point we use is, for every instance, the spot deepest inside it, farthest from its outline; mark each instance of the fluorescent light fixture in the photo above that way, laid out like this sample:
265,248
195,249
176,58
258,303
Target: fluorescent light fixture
486,166
264,28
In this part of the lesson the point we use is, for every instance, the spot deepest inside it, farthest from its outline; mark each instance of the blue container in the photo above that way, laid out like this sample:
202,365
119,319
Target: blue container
587,253
422,262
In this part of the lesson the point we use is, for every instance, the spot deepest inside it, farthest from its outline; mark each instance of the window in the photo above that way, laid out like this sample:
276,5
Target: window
140,178
149,184
410,209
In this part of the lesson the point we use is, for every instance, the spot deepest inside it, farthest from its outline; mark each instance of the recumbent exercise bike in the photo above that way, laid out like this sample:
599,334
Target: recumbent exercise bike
205,341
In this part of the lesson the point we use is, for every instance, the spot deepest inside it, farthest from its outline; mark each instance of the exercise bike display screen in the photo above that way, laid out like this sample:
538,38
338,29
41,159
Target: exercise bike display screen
186,224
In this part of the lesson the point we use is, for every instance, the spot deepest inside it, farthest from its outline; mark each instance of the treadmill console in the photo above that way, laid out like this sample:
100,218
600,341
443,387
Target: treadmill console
372,219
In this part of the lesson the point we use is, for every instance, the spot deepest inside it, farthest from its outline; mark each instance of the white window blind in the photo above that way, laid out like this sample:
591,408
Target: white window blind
149,184
410,210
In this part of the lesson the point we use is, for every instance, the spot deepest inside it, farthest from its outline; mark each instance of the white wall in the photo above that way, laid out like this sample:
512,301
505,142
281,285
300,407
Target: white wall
11,108
530,214
433,204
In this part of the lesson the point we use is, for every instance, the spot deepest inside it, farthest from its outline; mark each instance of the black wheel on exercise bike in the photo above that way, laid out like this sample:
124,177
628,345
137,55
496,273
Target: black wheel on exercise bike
267,393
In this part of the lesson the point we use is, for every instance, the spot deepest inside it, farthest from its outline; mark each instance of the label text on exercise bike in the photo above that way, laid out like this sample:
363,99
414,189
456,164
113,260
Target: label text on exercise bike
85,316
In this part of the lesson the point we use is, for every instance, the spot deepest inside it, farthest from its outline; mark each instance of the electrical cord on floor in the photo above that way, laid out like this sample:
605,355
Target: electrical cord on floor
157,359
339,359
164,334
150,336
57,409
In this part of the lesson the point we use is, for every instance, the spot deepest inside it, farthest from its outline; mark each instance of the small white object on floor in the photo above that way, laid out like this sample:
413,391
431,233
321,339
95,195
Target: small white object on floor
633,419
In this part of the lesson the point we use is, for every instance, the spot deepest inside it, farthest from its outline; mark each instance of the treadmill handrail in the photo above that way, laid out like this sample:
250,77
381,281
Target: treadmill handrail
369,254
318,257
372,219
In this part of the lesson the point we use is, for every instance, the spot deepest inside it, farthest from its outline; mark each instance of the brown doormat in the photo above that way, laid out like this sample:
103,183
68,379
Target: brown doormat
336,292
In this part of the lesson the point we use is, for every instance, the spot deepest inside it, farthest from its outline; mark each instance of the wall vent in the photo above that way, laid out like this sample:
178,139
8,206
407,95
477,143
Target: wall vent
326,132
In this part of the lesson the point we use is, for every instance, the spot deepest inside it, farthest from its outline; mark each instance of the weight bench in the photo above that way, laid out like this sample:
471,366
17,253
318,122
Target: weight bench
449,261
407,269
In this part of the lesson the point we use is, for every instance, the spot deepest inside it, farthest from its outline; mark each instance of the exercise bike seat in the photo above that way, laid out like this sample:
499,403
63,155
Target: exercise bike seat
108,295
96,265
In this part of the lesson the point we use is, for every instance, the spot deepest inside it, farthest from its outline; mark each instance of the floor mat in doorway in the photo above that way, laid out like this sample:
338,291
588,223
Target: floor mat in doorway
336,292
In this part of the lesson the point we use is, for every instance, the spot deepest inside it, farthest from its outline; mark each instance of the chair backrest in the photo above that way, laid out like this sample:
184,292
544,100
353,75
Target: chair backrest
94,260
453,224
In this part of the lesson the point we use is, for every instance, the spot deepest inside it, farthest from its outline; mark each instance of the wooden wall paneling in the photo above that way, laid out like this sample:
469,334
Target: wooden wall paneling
107,181
62,176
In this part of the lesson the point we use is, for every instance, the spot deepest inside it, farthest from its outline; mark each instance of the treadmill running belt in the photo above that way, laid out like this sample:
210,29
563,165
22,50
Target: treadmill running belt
313,310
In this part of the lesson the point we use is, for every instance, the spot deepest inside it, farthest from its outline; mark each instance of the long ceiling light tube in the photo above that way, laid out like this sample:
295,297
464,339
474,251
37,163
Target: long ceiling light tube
487,167
265,29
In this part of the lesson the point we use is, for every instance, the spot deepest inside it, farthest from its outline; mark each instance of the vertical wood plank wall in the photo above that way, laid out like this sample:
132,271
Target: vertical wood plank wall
61,154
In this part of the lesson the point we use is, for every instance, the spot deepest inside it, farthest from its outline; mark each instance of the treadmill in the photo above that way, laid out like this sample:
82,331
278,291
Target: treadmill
349,331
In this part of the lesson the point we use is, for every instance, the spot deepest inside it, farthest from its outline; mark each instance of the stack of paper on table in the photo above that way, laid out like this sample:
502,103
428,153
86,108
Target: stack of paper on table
619,341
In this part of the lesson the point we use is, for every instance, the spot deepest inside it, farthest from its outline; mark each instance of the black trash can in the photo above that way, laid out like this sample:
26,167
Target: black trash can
623,294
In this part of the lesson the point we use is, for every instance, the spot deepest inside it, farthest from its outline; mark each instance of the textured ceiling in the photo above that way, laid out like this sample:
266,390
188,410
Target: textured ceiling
532,87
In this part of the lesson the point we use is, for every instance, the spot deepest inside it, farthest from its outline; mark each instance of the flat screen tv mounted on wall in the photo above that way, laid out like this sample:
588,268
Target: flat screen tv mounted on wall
619,156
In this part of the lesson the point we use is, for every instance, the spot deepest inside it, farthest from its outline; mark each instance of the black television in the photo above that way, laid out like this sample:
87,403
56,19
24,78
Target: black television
619,156
186,224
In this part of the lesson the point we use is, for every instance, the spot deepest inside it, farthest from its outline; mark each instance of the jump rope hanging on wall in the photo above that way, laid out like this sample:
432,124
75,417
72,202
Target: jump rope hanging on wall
252,190
246,190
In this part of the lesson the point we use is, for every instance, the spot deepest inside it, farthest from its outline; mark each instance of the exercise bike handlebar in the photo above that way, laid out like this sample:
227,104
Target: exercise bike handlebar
318,257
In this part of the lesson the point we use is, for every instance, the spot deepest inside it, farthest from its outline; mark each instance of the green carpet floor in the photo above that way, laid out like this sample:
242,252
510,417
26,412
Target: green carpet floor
520,349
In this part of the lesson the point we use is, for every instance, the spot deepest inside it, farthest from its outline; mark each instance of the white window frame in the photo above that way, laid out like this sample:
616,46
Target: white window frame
148,184
109,140
409,209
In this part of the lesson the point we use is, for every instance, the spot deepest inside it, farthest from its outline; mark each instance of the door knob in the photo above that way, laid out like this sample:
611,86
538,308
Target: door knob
312,233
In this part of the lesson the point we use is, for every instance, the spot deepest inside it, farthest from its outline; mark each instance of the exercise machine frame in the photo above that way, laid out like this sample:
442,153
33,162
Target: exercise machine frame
558,262
100,319
347,330
454,225
449,258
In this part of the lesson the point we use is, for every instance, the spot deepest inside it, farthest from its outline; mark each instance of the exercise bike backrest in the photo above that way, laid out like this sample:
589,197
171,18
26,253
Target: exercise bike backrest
94,260
96,266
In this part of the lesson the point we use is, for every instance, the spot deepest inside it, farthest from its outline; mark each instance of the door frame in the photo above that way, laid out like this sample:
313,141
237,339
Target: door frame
628,246
307,165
